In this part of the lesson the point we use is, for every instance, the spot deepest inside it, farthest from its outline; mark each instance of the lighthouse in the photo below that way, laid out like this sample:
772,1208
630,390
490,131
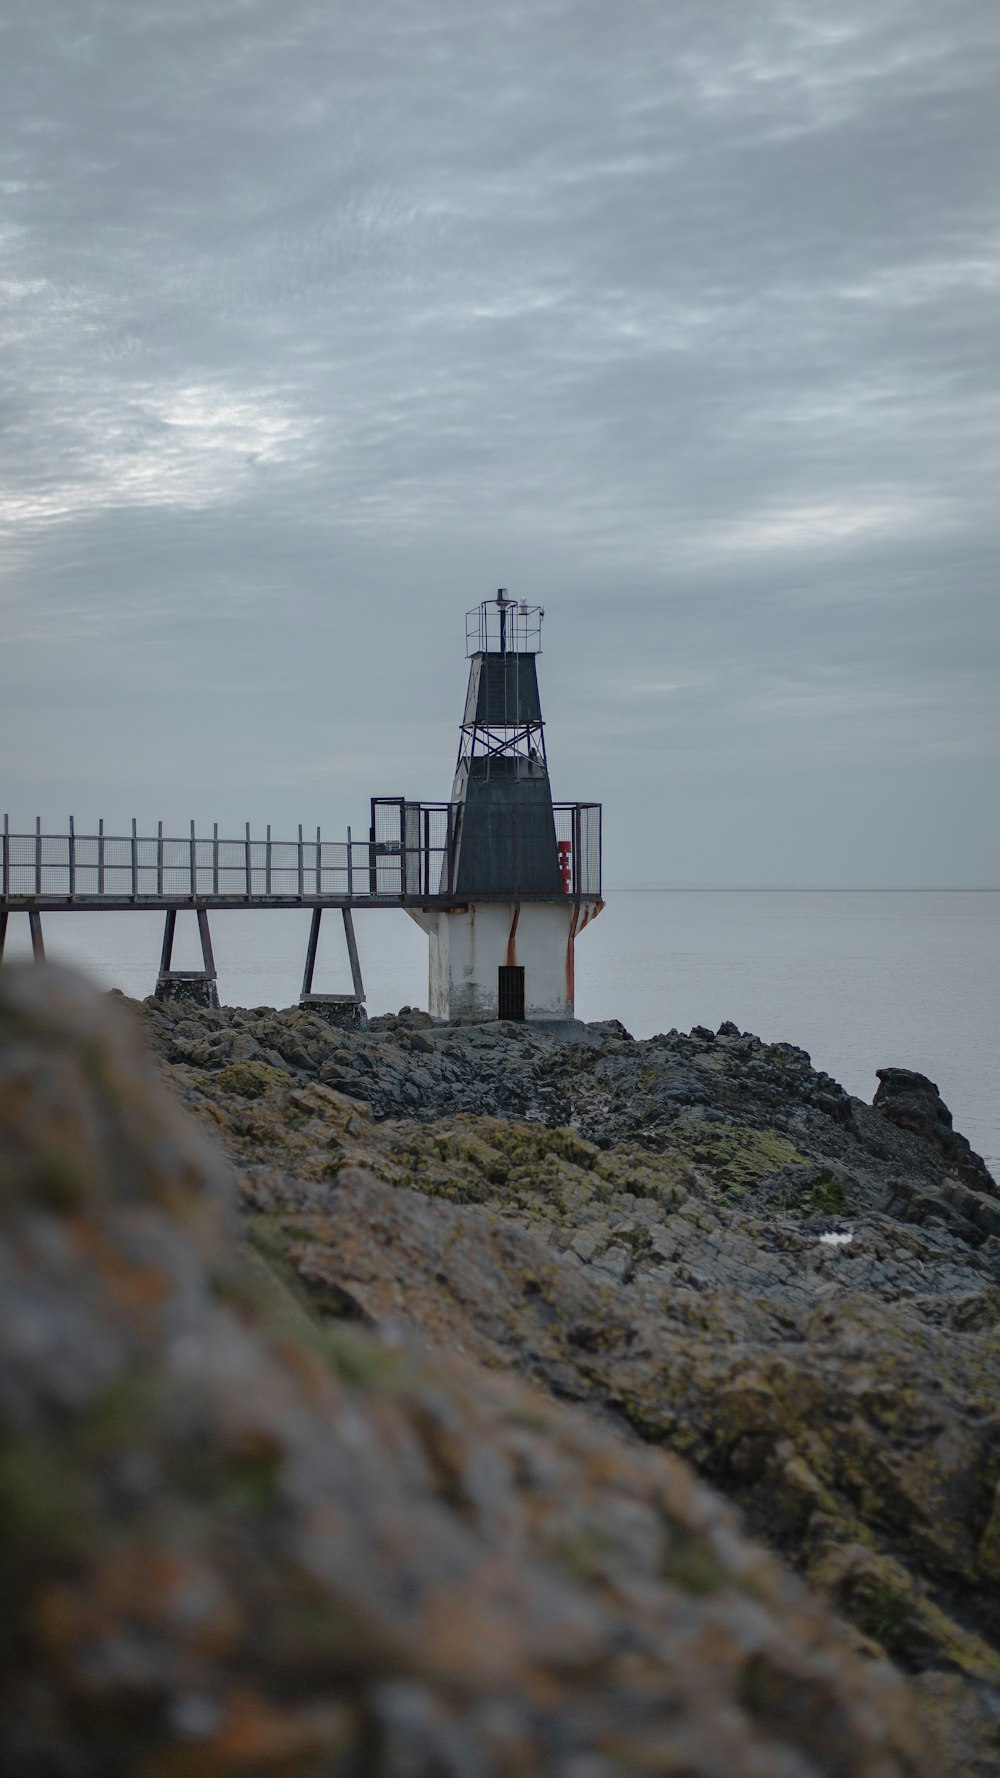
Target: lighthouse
520,875
501,878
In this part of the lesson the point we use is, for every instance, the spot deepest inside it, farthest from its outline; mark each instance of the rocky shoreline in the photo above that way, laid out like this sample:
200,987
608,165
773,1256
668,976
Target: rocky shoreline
701,1094
555,1257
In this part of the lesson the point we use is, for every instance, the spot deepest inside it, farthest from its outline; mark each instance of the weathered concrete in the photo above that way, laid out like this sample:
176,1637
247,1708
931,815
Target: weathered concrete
193,989
468,948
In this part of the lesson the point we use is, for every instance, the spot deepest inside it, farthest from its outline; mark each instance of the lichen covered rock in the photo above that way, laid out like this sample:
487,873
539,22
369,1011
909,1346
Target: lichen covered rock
238,1537
821,1340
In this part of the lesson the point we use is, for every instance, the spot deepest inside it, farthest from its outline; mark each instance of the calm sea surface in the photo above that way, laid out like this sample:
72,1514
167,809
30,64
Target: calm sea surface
860,979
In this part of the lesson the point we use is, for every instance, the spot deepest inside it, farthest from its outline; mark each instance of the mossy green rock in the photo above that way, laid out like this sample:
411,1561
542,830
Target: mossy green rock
843,1394
239,1539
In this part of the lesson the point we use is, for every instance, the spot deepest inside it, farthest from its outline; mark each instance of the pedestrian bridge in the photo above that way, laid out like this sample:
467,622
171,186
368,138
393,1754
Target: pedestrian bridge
408,859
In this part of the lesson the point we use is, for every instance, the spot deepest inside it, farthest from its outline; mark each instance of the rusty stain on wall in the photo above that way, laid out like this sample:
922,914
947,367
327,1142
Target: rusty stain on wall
571,957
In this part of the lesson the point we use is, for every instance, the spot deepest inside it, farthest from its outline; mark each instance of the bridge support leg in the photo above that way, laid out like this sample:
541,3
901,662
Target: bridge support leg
37,941
311,949
338,1009
199,987
169,928
207,954
352,952
34,927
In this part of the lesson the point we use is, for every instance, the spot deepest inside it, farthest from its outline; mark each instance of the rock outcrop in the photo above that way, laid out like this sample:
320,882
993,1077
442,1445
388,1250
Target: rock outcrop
778,1281
914,1103
357,1453
744,1113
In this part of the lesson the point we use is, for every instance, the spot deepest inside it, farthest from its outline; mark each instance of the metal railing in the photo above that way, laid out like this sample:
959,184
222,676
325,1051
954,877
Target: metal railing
416,847
410,856
162,867
516,628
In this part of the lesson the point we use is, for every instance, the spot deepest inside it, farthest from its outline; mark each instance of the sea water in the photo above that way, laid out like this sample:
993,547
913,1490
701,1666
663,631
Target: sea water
860,979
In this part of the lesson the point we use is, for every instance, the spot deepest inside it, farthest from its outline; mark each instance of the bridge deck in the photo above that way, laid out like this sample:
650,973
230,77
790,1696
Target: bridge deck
55,903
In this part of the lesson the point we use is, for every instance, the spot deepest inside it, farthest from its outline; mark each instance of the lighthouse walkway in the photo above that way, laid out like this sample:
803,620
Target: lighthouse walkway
409,857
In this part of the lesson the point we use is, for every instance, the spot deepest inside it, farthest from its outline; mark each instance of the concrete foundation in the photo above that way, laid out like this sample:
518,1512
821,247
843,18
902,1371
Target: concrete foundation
191,986
341,1010
469,946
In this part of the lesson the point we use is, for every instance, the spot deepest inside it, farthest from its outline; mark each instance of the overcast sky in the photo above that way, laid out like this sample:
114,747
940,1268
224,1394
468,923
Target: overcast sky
321,321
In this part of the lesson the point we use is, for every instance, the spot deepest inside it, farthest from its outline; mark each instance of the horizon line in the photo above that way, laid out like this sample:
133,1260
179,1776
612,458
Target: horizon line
681,887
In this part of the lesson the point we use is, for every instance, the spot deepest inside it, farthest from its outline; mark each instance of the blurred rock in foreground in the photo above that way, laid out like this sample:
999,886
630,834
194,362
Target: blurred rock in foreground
239,1538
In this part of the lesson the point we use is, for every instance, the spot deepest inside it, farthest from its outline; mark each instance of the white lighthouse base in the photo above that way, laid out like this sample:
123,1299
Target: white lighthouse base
469,947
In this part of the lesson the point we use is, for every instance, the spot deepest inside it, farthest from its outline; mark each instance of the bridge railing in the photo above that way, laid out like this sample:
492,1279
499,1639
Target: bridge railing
409,855
133,866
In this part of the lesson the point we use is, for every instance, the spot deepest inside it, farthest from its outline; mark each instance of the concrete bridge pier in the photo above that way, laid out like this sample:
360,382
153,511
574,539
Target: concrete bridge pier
199,986
338,1009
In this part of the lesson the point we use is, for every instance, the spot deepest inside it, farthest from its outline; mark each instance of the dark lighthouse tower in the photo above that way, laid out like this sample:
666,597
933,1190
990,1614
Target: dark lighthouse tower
522,873
506,827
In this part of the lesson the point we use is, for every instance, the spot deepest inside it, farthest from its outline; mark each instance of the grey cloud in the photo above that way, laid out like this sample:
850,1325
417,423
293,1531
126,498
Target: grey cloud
320,321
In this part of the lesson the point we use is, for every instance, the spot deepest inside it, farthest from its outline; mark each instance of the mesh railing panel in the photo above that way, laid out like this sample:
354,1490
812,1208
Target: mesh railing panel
518,631
411,848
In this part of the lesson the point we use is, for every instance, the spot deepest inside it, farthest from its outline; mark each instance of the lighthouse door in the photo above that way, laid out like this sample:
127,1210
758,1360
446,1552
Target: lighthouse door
510,998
